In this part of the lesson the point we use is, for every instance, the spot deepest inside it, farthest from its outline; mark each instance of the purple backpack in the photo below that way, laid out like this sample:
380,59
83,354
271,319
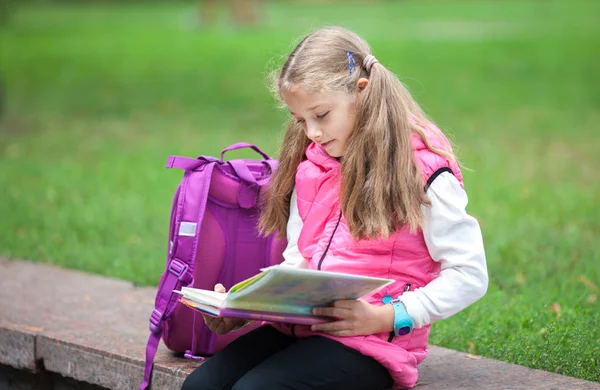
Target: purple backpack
213,239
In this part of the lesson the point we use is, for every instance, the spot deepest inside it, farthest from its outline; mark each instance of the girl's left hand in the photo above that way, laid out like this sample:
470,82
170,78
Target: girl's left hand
356,318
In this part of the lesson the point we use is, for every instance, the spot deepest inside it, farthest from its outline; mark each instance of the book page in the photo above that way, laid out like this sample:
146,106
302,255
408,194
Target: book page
206,297
207,309
248,282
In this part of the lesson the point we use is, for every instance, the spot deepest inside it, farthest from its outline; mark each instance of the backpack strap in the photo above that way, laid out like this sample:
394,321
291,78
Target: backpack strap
187,163
248,195
176,273
435,174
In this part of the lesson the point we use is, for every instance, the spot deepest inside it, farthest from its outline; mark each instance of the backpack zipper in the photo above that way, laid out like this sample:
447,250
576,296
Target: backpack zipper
293,328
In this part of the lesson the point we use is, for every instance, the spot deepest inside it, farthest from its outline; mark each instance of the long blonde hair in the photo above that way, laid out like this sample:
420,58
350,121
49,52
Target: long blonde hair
382,189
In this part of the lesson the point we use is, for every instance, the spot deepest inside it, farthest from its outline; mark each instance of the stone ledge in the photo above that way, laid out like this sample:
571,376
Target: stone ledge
14,379
17,347
94,329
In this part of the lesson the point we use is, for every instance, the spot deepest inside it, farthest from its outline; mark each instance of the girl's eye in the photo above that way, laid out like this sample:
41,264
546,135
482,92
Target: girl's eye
300,121
322,115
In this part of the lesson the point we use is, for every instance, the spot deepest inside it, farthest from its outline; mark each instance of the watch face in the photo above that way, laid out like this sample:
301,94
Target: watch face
403,331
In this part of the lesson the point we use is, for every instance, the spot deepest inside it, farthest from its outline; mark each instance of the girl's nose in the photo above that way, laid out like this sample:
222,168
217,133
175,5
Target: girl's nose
313,131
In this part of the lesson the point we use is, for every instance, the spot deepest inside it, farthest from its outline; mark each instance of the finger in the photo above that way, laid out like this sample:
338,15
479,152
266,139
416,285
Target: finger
213,322
233,323
208,318
345,303
329,327
342,333
221,328
335,312
211,325
218,330
220,288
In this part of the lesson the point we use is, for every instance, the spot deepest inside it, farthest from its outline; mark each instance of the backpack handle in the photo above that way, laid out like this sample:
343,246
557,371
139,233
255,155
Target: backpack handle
241,145
242,171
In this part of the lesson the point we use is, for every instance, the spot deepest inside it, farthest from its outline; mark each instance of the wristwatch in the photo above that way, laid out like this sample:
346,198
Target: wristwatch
403,325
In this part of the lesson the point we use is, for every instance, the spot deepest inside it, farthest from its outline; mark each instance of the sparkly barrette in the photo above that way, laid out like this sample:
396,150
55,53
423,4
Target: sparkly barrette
351,63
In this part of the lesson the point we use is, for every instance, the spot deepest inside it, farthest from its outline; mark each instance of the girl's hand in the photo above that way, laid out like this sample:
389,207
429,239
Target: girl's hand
356,318
222,325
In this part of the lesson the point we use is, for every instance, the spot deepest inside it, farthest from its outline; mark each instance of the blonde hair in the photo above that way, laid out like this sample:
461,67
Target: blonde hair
381,191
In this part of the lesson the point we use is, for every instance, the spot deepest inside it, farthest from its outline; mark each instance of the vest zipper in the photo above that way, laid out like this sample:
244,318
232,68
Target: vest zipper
293,328
329,243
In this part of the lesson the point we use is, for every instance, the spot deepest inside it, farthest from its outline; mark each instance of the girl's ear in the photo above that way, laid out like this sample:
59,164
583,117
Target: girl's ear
361,84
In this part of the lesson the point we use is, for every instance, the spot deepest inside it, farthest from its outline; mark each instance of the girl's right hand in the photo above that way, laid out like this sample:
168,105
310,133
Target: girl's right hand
222,325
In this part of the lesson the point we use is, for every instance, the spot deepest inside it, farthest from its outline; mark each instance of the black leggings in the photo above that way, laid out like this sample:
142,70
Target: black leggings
266,359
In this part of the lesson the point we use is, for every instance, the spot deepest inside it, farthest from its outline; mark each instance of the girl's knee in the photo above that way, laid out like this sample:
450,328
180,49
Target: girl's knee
191,383
199,379
256,382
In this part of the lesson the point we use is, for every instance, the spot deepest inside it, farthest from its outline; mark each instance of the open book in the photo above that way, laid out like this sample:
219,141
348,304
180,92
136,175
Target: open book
282,294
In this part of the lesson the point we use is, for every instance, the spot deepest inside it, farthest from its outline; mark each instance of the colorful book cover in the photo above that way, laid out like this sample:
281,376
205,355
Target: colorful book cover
255,315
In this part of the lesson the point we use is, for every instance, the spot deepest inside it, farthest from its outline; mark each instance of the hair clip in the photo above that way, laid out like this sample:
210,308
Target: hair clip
351,62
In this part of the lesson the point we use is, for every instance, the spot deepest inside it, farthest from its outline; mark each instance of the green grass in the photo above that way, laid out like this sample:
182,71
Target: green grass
98,97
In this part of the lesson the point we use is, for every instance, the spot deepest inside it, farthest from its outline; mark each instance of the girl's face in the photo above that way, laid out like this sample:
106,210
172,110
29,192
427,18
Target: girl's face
328,118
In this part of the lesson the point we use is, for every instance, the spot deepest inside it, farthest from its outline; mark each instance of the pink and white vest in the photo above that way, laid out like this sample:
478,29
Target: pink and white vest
326,244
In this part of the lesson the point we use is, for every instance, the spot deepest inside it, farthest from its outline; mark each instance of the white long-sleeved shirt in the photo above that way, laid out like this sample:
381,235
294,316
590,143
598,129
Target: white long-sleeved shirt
453,239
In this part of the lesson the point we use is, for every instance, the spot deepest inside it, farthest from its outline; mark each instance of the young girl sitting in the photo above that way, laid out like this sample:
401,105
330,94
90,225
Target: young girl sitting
366,185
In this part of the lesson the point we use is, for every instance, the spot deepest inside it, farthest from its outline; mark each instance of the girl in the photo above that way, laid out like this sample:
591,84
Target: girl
366,185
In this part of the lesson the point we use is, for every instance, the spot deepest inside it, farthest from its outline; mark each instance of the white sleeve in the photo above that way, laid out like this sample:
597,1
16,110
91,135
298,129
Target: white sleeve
291,254
454,239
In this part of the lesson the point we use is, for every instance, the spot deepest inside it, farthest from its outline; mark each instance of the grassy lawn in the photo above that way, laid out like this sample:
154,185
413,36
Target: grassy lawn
97,97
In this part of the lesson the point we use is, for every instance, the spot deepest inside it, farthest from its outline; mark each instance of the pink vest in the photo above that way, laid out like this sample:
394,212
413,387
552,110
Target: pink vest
327,244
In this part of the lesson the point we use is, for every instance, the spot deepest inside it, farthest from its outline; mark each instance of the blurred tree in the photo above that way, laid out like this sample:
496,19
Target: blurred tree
243,12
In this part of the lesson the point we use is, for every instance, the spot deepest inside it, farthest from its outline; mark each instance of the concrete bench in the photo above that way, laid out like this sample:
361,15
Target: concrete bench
63,329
